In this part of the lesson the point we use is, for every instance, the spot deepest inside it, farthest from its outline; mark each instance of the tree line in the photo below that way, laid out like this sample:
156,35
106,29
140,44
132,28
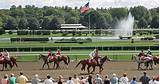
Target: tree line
51,18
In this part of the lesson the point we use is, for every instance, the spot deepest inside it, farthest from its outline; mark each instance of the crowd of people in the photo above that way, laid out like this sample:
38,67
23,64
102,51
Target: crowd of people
90,79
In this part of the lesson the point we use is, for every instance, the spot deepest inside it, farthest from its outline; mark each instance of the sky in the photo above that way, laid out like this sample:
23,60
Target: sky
6,4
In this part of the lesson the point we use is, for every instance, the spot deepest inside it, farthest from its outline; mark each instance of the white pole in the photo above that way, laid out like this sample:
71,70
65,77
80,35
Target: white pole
89,24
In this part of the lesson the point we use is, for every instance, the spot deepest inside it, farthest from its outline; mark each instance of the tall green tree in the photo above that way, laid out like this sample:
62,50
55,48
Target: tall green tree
118,12
155,22
22,23
72,20
10,24
54,24
45,23
139,12
101,23
33,23
142,23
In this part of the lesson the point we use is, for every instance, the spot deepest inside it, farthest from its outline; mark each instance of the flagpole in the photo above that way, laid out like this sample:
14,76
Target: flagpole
89,23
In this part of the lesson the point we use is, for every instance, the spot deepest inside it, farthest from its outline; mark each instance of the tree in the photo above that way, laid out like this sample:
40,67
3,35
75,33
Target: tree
1,22
33,24
11,24
22,23
101,23
155,22
45,23
118,12
72,20
139,12
142,23
54,24
114,23
108,17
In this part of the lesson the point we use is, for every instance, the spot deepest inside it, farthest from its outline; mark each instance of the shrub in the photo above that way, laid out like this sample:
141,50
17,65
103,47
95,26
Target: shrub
10,32
21,32
2,31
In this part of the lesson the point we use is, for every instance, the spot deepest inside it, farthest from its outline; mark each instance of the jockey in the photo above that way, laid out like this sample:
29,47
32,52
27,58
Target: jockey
1,56
141,53
149,53
97,57
92,54
58,53
6,55
49,54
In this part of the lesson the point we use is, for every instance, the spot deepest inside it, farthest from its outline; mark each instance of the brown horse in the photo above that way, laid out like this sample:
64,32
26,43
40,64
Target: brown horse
10,62
56,60
93,64
156,59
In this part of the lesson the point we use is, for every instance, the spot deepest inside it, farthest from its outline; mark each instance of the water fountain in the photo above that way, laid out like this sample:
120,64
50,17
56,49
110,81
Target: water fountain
124,27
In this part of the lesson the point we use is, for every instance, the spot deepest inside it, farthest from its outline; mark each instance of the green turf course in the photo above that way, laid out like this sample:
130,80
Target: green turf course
106,43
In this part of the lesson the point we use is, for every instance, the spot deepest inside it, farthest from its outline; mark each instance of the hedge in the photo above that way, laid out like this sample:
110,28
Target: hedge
83,48
30,39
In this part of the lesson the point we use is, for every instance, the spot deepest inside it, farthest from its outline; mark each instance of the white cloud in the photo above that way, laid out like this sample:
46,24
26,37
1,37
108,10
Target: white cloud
78,3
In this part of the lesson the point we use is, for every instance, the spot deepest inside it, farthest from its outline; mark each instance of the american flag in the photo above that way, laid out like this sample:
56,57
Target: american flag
85,8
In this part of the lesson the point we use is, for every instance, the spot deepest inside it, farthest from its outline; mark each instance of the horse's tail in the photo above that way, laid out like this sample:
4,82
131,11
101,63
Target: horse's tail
68,59
77,64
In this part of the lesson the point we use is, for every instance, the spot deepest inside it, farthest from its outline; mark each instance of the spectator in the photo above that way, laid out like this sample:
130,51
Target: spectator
153,81
106,80
70,81
12,79
114,79
5,80
145,79
90,79
60,80
75,79
48,80
35,79
98,80
133,81
82,80
124,79
22,79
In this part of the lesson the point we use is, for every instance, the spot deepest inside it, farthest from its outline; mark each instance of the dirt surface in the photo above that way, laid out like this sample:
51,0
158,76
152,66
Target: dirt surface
31,68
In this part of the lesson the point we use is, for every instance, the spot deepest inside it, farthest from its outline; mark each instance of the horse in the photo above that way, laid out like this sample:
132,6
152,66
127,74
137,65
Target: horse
145,62
10,62
156,59
56,60
92,64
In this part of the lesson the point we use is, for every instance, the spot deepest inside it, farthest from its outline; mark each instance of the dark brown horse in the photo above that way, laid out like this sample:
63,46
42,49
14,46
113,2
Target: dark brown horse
10,62
156,59
93,64
55,59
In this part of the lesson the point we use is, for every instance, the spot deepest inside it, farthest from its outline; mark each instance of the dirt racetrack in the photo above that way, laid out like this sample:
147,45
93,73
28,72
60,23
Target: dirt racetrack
31,68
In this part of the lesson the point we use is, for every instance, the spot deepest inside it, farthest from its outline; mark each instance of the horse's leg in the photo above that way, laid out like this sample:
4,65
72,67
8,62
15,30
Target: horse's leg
151,64
3,67
54,65
138,66
65,61
101,69
93,69
48,65
57,65
83,67
88,68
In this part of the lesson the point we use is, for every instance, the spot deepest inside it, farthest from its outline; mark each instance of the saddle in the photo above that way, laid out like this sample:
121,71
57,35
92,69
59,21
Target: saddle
91,60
